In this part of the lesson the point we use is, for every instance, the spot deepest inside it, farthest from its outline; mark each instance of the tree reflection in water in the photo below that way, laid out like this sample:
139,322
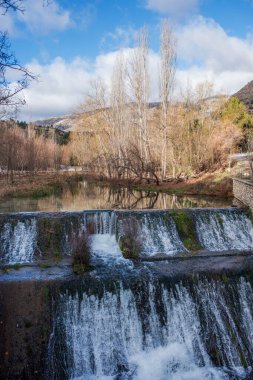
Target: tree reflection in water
88,195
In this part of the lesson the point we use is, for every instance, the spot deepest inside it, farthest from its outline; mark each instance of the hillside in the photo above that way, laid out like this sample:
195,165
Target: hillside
245,95
63,123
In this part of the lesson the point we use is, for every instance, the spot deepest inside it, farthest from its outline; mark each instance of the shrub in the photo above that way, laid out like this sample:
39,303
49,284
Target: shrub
129,242
80,251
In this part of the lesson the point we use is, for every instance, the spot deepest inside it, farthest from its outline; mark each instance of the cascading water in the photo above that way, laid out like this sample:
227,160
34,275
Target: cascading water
103,240
18,242
224,230
100,222
135,321
156,231
154,331
159,236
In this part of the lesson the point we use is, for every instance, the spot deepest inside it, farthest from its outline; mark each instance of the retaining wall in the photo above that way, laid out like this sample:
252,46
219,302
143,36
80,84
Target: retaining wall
243,191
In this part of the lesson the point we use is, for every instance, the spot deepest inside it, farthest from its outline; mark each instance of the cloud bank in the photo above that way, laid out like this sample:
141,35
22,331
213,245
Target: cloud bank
41,18
205,52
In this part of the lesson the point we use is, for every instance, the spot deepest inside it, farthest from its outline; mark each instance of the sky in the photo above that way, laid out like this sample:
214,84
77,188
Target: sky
67,44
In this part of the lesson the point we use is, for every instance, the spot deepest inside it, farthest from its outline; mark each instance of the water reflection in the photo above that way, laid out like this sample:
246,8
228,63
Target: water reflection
86,195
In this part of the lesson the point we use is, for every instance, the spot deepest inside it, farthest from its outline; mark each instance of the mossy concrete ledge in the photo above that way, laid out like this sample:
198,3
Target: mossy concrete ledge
53,232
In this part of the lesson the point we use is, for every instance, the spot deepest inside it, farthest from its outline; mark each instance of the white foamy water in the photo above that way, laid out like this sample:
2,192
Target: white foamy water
221,231
110,337
18,242
157,233
105,247
173,362
160,236
101,222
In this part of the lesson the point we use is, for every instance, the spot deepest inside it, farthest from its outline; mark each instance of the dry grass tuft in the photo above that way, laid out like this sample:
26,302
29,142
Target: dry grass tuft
81,251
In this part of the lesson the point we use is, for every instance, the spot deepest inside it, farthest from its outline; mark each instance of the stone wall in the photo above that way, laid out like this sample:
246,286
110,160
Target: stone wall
25,326
243,191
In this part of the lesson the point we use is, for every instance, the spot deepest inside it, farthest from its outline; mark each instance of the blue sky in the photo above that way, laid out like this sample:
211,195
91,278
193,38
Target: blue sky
69,43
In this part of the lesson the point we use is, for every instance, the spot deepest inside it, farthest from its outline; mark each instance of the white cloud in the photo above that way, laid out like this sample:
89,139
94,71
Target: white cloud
226,82
209,53
206,52
7,23
205,42
62,86
44,18
119,38
174,7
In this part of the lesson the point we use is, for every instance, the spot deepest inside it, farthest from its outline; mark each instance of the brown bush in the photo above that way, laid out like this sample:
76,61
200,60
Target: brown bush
130,239
81,251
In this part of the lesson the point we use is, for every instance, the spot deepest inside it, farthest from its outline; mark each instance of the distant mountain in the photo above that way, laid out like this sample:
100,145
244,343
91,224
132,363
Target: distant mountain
67,122
245,95
62,123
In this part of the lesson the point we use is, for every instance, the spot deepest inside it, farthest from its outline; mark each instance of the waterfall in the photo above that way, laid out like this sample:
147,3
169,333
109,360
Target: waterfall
156,231
100,222
156,331
102,225
159,235
224,230
18,242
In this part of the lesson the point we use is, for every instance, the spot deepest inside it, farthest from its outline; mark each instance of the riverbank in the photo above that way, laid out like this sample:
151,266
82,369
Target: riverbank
215,184
37,185
44,184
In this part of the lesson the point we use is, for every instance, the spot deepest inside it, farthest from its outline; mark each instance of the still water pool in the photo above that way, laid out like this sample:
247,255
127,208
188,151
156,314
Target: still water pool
87,195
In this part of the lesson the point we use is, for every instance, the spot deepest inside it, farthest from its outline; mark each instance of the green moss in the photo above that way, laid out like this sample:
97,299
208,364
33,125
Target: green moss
57,254
16,266
249,215
130,248
46,292
219,219
225,278
243,359
46,191
44,266
79,268
186,230
50,237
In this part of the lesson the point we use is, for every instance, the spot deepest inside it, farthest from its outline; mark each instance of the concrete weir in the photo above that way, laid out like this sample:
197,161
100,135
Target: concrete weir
32,237
47,312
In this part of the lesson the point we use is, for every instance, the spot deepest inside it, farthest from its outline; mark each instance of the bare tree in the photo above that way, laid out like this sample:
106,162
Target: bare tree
15,5
118,105
167,74
138,79
10,91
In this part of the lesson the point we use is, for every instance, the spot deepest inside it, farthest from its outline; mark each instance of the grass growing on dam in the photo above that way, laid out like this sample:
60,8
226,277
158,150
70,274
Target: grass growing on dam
81,252
186,230
50,233
130,240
